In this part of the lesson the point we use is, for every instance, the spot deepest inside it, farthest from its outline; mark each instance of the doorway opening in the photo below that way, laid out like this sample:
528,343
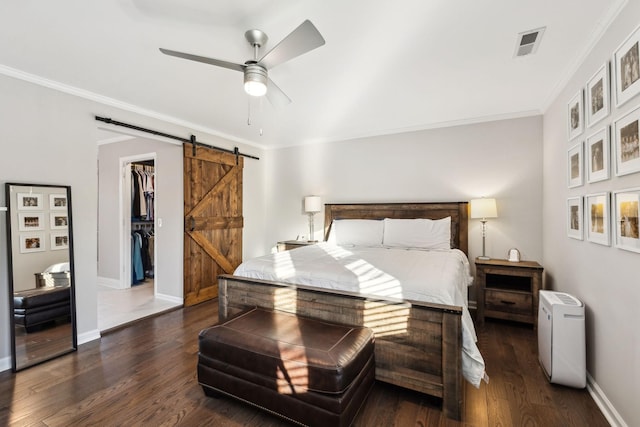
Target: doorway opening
132,294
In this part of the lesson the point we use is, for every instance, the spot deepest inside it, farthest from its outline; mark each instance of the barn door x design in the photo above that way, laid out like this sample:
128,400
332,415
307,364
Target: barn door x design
212,218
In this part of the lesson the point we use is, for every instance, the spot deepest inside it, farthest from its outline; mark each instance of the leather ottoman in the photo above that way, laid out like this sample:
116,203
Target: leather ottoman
35,307
308,371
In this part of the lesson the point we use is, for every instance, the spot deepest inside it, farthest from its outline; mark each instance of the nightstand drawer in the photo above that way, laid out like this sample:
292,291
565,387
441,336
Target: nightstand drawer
508,302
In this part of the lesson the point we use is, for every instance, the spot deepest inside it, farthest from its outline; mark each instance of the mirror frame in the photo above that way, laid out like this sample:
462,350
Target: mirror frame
12,210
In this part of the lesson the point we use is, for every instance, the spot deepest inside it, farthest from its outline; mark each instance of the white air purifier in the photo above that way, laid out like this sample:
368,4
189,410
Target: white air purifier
561,339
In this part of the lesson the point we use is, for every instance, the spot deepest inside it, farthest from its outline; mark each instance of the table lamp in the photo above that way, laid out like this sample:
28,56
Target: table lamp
483,208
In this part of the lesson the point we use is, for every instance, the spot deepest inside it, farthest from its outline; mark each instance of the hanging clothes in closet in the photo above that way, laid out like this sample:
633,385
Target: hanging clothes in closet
142,242
142,217
142,192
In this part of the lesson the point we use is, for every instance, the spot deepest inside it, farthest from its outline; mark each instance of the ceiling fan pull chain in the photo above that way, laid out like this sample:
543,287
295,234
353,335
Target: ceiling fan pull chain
261,100
248,111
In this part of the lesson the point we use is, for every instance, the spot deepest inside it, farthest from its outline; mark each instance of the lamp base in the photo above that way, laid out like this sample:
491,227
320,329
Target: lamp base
484,258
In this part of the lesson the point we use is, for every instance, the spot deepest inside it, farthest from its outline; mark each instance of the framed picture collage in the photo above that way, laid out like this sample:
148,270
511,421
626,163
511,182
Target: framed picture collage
604,143
35,220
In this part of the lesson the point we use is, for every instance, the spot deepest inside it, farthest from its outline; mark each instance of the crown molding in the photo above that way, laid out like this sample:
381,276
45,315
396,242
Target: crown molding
105,100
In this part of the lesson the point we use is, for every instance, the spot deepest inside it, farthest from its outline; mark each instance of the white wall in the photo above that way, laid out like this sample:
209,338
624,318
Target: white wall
605,278
39,145
501,159
49,137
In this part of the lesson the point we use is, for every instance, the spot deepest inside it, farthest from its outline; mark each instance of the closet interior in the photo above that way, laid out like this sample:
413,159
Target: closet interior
142,221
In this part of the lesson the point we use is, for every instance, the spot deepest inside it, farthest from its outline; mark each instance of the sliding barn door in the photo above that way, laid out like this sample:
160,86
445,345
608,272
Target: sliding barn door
212,219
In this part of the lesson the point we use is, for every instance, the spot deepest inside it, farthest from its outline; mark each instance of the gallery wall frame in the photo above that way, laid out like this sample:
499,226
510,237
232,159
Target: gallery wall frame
59,241
597,221
58,220
575,217
32,242
627,143
575,165
58,202
598,155
575,115
597,96
29,201
625,206
626,64
30,221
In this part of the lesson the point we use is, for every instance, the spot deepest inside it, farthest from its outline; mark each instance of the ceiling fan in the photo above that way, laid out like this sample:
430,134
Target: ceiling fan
303,39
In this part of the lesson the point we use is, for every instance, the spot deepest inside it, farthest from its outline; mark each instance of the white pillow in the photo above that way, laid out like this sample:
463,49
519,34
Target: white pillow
356,232
418,233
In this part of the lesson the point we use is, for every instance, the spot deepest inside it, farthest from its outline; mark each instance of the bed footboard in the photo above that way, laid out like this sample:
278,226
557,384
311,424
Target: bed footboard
418,345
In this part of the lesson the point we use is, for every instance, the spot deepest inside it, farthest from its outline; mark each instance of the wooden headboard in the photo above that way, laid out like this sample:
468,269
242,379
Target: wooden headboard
458,211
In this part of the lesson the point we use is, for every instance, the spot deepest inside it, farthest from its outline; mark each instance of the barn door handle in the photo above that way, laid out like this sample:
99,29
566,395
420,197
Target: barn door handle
192,223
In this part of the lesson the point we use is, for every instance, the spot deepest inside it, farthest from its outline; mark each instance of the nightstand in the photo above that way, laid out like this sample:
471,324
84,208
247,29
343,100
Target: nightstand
286,245
508,290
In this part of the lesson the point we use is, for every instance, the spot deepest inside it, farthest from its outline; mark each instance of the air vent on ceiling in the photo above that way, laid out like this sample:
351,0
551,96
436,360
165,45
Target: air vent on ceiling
528,42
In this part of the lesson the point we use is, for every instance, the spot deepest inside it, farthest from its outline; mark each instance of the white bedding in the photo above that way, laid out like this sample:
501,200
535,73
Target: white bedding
402,273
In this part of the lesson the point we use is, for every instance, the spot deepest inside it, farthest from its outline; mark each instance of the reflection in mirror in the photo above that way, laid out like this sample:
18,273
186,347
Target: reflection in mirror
41,279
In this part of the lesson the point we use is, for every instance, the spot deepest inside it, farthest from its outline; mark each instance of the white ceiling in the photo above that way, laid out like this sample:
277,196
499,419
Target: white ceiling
386,66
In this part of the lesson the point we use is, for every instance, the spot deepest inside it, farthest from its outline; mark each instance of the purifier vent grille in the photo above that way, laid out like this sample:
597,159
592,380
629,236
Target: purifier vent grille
567,299
528,42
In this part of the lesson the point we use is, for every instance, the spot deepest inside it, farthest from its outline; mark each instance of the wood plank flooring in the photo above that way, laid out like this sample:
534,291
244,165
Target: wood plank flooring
145,375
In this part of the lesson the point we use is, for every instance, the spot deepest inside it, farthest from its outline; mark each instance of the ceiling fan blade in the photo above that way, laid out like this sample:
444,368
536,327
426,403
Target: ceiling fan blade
211,61
301,40
276,96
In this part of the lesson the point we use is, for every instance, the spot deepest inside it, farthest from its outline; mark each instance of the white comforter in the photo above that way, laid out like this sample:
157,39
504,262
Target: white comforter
439,276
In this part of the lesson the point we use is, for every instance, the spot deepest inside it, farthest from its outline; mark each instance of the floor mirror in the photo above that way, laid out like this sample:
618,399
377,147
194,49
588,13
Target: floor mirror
41,273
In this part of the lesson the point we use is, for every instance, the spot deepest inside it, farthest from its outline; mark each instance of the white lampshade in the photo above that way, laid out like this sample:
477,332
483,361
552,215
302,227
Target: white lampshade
483,208
312,204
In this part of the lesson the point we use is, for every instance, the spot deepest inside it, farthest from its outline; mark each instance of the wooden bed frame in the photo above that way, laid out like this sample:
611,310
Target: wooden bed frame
418,345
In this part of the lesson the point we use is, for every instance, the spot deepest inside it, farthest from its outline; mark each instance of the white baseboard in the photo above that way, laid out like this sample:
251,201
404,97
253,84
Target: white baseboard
110,283
5,363
604,404
170,298
88,336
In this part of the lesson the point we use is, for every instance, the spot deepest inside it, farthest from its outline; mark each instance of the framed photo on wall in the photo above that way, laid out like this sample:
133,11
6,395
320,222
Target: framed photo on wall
58,202
575,116
574,217
597,96
31,242
627,143
58,221
597,156
59,241
29,202
627,68
625,204
597,218
30,221
574,166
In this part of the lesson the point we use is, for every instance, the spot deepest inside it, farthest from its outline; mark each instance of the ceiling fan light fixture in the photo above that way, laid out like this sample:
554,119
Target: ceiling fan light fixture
255,80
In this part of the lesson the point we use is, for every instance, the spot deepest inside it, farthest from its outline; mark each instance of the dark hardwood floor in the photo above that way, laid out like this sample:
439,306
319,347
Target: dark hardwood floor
145,375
